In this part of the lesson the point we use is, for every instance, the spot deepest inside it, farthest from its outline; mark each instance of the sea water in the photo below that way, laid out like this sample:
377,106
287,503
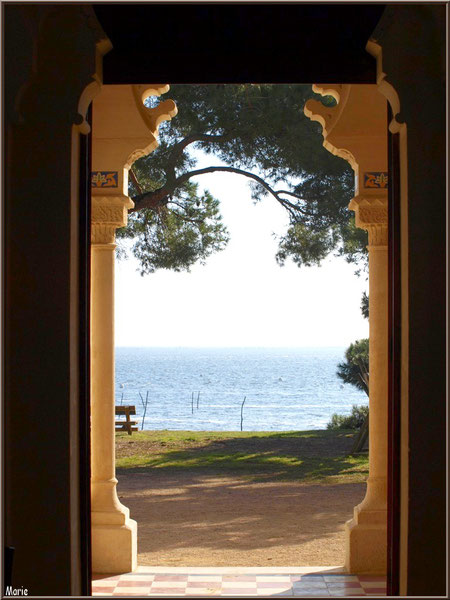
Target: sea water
203,388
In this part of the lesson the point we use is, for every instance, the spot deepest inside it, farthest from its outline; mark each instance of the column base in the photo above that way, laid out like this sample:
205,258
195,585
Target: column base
114,547
366,542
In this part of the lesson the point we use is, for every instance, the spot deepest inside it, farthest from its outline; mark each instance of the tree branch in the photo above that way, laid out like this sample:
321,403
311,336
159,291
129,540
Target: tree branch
160,197
178,148
152,200
188,219
199,137
135,181
276,194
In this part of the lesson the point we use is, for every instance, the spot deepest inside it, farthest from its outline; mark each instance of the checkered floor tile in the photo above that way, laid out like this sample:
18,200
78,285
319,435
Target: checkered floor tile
196,582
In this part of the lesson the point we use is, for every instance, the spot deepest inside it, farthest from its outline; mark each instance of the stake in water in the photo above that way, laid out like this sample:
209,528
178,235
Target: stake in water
202,389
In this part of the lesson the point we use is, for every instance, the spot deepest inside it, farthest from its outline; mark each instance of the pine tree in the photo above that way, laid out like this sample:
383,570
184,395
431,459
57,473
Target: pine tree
258,132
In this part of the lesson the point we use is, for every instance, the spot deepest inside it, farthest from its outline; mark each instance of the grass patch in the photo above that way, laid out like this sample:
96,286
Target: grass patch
319,456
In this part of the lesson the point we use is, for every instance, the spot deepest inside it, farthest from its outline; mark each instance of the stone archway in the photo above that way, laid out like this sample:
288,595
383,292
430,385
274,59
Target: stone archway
125,130
355,129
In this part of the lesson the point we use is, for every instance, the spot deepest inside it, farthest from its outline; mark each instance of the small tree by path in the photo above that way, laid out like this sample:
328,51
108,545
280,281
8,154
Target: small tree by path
355,370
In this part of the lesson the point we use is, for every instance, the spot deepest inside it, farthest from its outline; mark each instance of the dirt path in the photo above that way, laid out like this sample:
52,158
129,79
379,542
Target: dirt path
201,520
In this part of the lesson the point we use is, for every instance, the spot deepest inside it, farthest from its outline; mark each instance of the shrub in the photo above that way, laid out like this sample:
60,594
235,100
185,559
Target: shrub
352,421
355,369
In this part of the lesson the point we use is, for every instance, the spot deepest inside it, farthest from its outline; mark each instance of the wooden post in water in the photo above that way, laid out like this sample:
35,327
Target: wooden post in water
145,411
242,408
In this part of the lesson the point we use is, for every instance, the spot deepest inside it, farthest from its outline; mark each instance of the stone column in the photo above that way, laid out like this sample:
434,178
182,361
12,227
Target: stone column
114,534
355,129
366,539
124,129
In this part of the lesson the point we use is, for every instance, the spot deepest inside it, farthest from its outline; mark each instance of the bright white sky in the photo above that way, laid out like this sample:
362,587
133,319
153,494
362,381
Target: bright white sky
241,297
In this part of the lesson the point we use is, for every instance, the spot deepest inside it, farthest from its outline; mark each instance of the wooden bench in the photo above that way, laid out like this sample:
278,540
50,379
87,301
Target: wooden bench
128,424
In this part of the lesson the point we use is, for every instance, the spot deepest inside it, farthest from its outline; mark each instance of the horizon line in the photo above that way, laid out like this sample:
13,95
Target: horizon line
235,347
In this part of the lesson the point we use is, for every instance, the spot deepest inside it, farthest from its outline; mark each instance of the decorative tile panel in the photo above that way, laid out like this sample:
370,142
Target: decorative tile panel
376,179
104,179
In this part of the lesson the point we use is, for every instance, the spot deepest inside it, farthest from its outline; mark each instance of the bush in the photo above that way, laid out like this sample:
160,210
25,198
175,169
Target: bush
352,421
355,369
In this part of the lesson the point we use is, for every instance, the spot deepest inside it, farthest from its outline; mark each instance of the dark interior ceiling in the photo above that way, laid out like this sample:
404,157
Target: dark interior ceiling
233,43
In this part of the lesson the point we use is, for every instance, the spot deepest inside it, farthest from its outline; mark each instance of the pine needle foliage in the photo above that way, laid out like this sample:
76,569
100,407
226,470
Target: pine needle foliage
259,132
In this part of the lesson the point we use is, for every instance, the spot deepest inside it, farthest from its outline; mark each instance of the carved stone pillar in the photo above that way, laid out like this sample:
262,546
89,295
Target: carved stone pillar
124,129
114,534
355,129
366,540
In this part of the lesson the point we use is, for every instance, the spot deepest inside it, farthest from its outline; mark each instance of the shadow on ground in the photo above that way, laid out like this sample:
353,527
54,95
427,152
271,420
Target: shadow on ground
244,501
311,455
210,521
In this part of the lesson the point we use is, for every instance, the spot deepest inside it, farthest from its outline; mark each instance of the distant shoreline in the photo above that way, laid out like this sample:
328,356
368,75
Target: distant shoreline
235,347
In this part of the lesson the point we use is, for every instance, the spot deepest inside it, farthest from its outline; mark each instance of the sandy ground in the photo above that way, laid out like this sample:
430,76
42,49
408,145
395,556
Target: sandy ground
201,520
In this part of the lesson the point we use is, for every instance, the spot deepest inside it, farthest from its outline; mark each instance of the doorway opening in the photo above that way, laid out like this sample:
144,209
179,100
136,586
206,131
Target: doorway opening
191,398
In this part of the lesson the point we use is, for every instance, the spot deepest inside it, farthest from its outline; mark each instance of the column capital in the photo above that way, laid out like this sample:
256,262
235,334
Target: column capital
108,213
371,214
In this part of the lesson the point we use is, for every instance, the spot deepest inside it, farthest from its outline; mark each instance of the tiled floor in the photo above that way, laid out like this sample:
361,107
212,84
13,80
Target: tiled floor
304,582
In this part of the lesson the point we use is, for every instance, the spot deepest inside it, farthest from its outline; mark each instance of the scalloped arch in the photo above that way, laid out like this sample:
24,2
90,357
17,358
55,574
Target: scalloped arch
328,116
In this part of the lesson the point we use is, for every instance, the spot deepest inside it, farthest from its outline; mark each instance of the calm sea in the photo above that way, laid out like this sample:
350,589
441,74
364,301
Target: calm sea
285,389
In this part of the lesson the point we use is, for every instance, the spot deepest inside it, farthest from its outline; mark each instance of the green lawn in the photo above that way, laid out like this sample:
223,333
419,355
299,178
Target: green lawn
319,456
